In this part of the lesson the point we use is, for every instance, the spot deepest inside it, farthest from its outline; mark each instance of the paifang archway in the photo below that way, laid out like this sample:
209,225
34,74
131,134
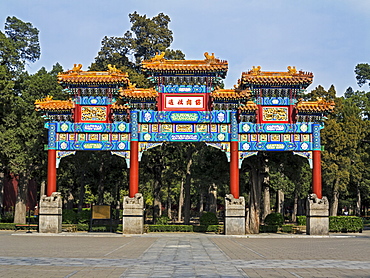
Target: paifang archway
261,113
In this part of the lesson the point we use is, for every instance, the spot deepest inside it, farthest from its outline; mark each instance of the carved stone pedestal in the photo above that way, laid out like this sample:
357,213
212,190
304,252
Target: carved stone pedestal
234,215
133,214
317,222
50,213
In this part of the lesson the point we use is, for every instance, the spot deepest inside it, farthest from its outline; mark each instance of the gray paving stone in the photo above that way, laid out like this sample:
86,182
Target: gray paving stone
183,255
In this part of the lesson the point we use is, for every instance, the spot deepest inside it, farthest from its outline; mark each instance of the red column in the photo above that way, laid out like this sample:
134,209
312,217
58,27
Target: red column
134,169
316,174
234,169
52,172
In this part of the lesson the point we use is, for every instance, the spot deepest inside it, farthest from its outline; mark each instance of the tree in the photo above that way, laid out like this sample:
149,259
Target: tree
362,72
18,122
146,37
24,37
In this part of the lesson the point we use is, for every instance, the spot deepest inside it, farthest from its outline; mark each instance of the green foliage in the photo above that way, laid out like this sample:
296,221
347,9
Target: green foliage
84,216
301,220
170,228
274,219
7,226
163,220
69,216
25,38
269,228
287,228
208,228
146,37
345,224
7,217
208,218
82,227
362,72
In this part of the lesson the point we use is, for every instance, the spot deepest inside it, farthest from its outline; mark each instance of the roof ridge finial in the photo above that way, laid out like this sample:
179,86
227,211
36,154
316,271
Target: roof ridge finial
158,56
77,67
209,57
292,70
113,69
256,70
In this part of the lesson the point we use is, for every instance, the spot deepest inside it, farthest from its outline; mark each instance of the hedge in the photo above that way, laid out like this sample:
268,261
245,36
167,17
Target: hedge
170,228
208,228
208,218
273,219
345,224
7,226
301,220
269,228
287,228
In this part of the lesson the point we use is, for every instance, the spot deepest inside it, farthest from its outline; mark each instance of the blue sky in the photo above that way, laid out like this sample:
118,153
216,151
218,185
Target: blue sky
326,37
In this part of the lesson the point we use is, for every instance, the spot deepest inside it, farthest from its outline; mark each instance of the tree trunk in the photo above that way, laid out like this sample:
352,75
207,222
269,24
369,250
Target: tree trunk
301,207
20,205
1,192
70,200
201,203
334,204
187,186
358,201
157,208
266,202
335,200
213,198
280,201
82,193
181,201
101,182
42,188
295,206
257,177
169,209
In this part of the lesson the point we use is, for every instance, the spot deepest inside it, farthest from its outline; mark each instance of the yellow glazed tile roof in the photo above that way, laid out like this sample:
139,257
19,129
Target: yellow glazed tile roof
249,106
315,106
48,104
210,63
76,75
230,94
137,93
118,106
291,77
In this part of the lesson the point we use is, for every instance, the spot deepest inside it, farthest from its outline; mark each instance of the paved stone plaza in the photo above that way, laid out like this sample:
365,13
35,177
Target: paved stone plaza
183,255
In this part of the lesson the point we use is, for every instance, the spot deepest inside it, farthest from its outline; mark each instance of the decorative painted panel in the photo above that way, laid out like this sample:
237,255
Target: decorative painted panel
275,114
275,146
97,100
183,88
275,128
219,116
81,145
94,113
275,101
184,137
91,127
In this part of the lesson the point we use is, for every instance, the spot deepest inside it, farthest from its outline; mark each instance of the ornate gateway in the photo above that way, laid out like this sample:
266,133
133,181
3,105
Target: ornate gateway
264,112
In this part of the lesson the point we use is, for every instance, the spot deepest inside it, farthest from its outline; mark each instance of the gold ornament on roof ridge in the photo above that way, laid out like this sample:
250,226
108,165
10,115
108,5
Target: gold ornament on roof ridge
158,56
77,67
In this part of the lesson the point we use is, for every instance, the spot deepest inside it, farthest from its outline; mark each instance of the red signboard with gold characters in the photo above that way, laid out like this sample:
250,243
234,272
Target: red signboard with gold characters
184,102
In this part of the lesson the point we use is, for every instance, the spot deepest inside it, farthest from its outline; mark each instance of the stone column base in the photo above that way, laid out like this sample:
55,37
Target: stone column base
50,213
234,215
133,214
317,222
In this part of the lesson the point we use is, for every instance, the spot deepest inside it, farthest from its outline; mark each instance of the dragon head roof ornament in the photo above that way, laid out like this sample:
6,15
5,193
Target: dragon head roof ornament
158,57
77,68
256,70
